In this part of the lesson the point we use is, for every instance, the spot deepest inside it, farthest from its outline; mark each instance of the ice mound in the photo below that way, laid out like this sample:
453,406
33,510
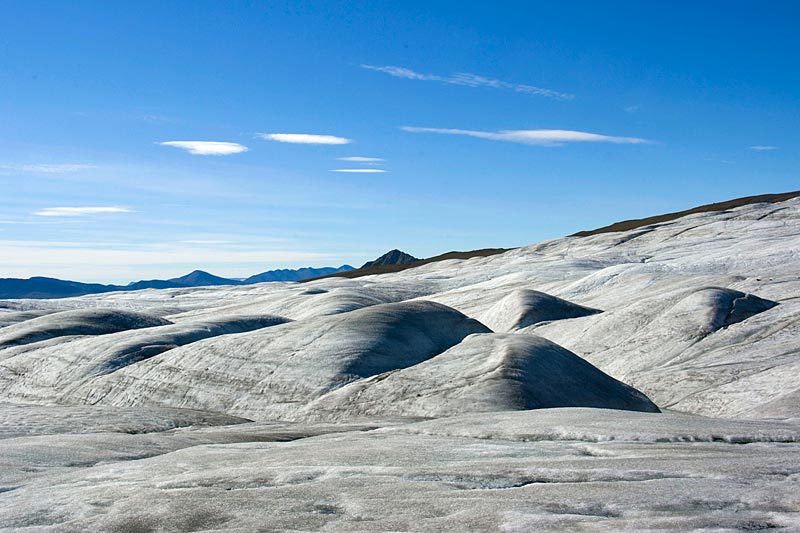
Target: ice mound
163,339
339,300
488,372
51,372
8,318
712,308
274,372
699,349
76,322
296,302
526,307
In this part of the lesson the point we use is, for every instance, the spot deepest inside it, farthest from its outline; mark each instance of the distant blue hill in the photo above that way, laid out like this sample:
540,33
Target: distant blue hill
296,275
41,287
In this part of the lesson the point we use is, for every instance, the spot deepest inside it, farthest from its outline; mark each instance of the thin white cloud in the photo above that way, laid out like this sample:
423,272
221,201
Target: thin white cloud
632,108
471,80
359,159
201,241
47,168
359,170
57,244
156,118
537,137
79,211
304,138
207,147
763,148
55,169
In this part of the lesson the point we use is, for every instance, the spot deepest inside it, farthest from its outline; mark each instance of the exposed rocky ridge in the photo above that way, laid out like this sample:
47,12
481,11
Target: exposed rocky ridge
627,225
387,269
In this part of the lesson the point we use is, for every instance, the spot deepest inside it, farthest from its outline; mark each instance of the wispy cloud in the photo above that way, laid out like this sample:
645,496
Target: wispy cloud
207,147
360,170
763,148
471,80
631,108
537,137
359,159
79,211
202,241
47,168
304,138
155,118
56,244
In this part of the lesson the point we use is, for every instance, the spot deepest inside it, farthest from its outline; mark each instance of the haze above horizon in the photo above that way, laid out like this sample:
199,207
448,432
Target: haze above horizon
147,140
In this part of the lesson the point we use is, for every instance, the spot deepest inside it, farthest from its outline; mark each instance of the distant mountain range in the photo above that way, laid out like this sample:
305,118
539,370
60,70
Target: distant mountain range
296,275
392,261
41,287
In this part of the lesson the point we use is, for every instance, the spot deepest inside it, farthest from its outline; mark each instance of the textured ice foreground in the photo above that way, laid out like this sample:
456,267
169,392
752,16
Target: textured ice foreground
586,469
144,401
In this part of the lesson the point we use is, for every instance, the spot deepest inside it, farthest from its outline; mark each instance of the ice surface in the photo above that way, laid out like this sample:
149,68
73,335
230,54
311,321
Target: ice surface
700,314
487,472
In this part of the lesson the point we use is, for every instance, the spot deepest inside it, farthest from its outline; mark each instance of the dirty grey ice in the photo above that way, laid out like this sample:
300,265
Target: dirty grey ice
639,380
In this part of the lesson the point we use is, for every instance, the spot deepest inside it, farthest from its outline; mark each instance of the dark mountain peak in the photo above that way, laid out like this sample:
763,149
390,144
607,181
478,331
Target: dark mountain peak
200,277
392,257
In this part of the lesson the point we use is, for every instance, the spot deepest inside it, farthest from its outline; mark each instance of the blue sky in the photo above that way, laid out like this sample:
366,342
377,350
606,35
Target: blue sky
495,125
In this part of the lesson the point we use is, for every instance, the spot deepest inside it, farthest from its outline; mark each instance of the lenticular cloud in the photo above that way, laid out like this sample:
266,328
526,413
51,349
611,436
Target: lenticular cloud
360,170
79,211
207,147
304,138
539,137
